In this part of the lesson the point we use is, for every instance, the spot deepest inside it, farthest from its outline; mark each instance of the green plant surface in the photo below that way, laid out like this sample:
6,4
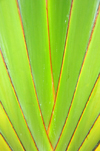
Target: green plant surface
73,64
58,14
93,137
98,147
49,75
15,55
6,129
3,144
12,107
85,83
36,36
91,111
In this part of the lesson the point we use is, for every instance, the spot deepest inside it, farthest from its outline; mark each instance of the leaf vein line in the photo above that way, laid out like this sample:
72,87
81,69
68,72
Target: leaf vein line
50,49
80,118
17,98
79,74
12,126
96,146
5,141
61,68
31,72
89,131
